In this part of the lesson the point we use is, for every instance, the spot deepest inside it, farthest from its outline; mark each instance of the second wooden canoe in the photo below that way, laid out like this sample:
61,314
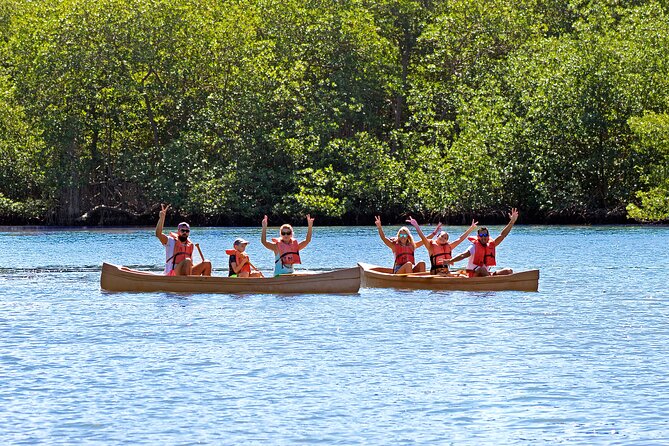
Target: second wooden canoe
118,278
373,276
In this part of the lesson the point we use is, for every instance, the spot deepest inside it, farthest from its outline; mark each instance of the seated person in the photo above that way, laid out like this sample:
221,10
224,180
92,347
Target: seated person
239,264
481,253
179,250
286,248
403,247
440,250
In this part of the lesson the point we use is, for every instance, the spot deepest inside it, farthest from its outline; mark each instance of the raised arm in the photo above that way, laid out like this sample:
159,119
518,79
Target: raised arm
513,216
424,241
435,232
429,237
386,240
310,226
263,236
161,222
465,234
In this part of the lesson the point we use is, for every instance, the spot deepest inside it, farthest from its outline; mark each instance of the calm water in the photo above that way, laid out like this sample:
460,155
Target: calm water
583,361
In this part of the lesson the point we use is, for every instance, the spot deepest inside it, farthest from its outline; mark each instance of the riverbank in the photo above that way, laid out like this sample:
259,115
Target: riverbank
108,218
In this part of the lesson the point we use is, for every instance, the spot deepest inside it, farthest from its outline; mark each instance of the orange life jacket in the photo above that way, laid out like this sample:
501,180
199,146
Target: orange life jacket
289,253
180,252
440,255
483,254
238,260
403,253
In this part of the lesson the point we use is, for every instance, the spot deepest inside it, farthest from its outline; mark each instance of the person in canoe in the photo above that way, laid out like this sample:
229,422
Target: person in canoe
179,250
403,247
481,253
286,248
440,249
239,264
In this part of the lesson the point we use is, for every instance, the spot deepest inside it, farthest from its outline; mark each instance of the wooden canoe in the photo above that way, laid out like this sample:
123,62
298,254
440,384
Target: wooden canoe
118,278
377,277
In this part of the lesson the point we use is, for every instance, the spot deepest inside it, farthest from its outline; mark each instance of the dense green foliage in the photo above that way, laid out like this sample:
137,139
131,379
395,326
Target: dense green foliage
231,109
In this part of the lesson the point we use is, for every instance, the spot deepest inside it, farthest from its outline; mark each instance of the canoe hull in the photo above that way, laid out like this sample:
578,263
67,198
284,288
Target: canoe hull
377,277
116,278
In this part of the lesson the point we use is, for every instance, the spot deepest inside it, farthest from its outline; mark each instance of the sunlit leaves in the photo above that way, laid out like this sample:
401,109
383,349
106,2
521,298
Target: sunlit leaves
230,110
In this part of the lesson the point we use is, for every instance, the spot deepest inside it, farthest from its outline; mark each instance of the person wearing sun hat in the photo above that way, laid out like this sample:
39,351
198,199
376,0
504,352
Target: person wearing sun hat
481,253
239,264
179,250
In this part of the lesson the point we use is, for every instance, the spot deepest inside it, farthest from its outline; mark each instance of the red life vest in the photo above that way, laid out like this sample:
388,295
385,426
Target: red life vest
403,253
440,255
289,253
238,260
180,251
483,254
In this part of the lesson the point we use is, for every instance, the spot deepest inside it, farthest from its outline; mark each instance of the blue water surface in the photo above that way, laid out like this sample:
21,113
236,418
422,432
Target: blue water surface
583,361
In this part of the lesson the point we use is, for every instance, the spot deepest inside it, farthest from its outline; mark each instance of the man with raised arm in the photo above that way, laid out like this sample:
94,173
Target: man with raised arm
481,253
179,250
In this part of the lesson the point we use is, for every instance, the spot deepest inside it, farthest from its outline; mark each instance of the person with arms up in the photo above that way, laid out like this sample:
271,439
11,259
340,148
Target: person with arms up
481,253
403,247
179,250
440,250
286,248
239,264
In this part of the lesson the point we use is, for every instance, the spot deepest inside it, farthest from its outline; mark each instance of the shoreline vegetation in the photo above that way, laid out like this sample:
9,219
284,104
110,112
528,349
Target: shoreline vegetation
445,111
499,218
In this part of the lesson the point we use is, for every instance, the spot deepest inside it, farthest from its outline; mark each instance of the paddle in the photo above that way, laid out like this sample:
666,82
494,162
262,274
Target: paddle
197,245
255,268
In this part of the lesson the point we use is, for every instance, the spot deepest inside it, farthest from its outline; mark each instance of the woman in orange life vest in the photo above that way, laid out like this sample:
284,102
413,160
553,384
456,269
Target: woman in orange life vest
179,250
239,264
482,252
403,247
440,250
286,249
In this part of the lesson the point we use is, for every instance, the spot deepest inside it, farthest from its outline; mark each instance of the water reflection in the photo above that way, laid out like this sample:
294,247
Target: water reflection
583,361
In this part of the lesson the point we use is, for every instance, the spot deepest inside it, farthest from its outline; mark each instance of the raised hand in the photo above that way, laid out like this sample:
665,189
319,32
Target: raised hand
438,228
163,211
264,222
412,221
310,221
474,224
513,216
377,221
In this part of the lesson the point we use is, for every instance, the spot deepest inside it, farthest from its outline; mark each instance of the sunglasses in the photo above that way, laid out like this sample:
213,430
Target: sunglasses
185,231
483,234
403,235
285,233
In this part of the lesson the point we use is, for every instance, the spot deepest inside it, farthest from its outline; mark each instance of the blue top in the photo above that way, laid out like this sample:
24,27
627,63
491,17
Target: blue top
280,268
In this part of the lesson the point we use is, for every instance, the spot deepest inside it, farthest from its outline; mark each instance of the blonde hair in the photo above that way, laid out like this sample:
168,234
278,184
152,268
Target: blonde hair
410,237
286,226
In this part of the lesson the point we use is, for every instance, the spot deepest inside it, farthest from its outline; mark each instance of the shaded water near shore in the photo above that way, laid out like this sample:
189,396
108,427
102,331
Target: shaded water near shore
583,361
